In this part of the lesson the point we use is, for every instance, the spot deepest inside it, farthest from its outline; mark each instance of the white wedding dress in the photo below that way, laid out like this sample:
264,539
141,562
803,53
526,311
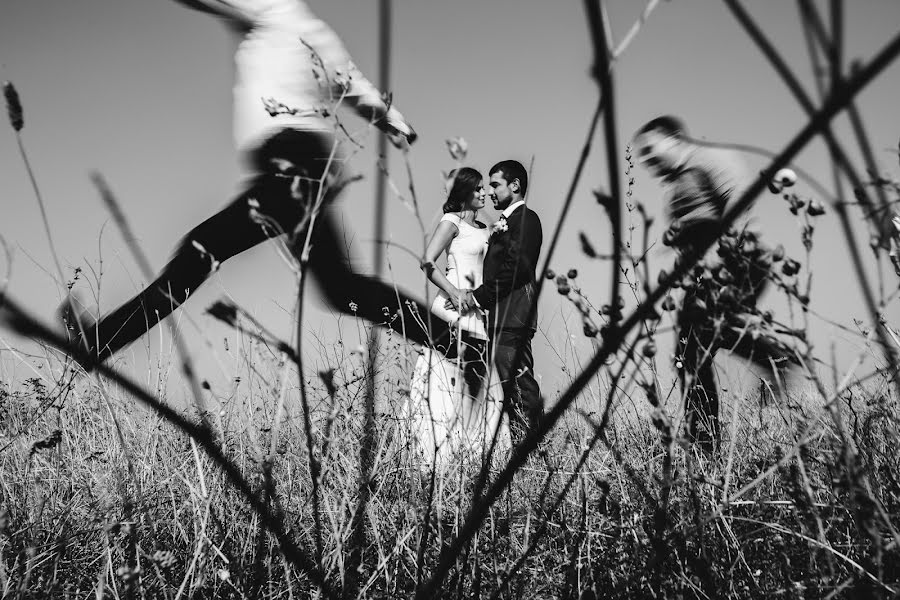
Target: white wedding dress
445,420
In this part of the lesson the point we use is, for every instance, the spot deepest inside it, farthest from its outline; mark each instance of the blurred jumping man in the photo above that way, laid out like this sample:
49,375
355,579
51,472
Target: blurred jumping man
291,71
720,292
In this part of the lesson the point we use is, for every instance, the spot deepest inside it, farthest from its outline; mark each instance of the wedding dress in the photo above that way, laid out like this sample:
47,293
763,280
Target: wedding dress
445,419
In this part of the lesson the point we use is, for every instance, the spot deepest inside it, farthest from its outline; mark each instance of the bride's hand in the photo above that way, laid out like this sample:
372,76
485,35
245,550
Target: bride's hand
453,301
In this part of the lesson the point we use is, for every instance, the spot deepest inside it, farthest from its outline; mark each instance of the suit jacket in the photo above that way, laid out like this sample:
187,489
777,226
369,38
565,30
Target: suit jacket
509,272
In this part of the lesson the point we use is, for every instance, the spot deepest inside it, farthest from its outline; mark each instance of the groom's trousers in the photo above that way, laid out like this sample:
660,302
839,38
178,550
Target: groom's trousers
521,392
272,204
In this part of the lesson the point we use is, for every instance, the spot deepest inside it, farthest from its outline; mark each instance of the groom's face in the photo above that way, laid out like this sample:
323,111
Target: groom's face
501,195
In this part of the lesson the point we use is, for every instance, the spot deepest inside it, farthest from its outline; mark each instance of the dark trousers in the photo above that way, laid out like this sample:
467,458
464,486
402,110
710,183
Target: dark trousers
473,355
521,393
697,347
280,200
709,321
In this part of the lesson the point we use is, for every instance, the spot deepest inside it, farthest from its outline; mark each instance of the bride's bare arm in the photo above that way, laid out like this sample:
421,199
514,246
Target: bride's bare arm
438,244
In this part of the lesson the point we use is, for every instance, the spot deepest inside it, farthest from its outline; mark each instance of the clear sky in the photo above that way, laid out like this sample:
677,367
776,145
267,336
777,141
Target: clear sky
141,92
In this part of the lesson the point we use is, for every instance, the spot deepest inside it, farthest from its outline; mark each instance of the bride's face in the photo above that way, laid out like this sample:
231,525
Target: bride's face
477,200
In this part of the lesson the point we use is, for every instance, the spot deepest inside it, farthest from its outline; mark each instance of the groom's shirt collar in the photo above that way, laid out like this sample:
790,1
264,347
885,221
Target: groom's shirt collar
511,208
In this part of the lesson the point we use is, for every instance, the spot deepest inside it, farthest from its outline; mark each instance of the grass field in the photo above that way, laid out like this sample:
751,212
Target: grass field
101,498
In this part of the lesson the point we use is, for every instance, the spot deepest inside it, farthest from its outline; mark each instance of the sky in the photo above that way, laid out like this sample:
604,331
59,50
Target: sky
140,91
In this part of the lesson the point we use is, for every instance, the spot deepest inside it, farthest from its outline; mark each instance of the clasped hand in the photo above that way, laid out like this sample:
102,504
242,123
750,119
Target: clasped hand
462,303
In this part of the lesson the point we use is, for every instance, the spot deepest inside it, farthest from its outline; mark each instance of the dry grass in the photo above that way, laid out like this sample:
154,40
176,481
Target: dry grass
150,516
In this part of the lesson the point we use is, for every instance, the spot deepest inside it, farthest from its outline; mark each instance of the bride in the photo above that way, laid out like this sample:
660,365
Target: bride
455,399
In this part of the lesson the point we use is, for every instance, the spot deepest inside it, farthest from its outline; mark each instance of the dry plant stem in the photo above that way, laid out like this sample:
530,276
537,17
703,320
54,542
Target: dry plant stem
837,30
46,223
815,30
269,461
635,28
366,452
835,104
13,317
384,76
838,156
603,73
309,222
187,364
366,459
314,466
817,69
40,200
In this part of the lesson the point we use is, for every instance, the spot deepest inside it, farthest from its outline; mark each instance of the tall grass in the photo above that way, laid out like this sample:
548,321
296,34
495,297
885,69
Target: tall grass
628,525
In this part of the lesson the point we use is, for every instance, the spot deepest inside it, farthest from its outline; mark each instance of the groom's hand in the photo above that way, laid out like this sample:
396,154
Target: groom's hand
462,304
467,304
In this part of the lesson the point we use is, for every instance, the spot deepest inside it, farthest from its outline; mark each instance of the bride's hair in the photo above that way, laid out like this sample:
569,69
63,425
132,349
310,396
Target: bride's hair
465,181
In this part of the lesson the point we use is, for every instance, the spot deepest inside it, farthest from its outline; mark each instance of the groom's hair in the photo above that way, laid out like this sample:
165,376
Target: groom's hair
512,169
465,181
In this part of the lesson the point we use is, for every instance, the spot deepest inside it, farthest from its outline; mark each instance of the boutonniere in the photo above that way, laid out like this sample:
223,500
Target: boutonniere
500,226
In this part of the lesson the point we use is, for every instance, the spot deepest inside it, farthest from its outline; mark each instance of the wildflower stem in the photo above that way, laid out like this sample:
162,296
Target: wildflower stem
40,200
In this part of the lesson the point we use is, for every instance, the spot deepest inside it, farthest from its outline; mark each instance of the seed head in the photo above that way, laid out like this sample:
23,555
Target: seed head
790,267
778,253
815,208
13,106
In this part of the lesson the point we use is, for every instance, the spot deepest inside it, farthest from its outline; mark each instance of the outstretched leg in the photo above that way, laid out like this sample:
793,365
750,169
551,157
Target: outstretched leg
698,380
227,233
370,297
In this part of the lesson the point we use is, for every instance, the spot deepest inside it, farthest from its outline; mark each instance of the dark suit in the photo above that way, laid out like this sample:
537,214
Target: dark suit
507,294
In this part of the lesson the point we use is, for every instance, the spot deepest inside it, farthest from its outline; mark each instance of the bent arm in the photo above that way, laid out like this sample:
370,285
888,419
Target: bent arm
438,244
221,8
360,94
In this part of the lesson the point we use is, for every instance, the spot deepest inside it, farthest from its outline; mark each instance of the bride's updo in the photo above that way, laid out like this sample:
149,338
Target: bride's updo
465,181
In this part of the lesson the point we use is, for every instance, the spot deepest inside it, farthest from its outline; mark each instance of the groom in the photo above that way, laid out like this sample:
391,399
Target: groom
508,292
